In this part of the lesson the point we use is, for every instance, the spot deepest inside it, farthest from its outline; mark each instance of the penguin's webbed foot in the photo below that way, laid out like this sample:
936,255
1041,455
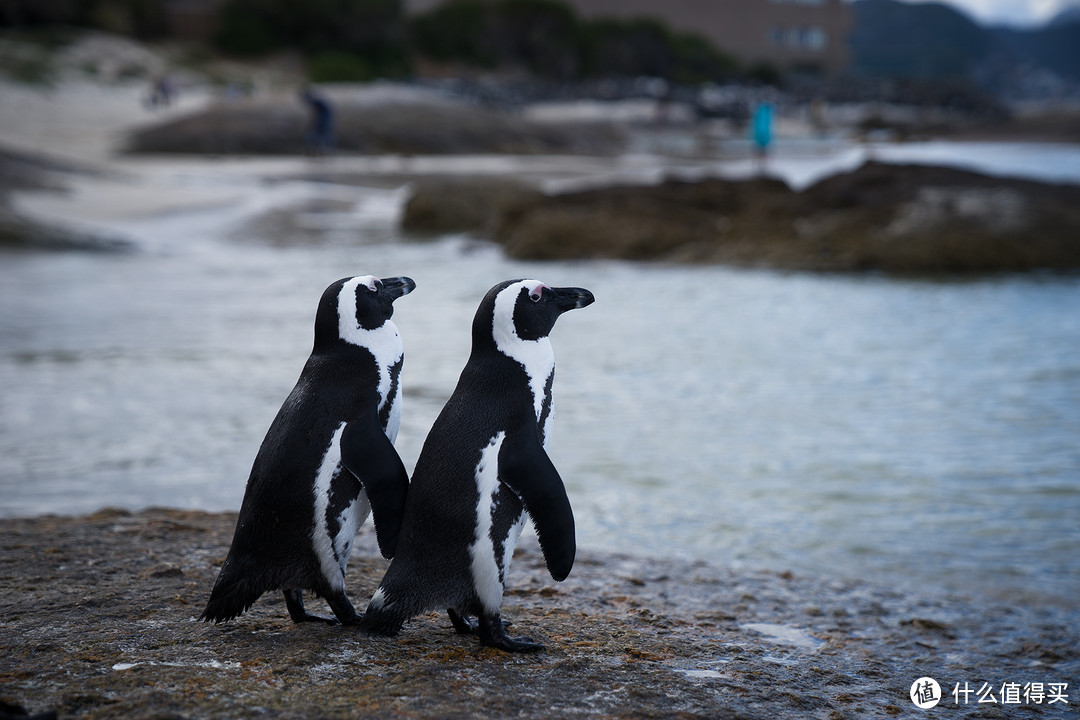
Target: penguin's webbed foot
465,625
308,617
343,610
294,601
492,633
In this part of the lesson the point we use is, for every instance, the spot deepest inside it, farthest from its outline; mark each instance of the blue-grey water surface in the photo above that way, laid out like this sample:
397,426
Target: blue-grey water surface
907,431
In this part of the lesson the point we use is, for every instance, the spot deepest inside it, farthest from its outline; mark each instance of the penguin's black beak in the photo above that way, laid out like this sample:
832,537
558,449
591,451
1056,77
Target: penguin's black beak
571,298
395,287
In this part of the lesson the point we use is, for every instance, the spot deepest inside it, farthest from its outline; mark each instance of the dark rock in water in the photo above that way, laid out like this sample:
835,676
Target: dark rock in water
462,205
880,217
912,218
710,220
275,127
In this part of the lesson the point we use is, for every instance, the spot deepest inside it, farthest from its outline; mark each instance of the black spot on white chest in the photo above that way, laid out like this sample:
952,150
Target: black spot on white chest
390,396
546,404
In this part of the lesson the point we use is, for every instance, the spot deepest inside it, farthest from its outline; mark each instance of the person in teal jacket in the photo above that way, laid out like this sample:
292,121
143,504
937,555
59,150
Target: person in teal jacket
761,128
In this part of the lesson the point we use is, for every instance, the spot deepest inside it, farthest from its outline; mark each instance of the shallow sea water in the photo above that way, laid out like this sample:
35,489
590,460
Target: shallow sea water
912,432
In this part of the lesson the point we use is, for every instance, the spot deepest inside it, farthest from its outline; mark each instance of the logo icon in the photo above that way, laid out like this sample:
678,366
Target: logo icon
925,693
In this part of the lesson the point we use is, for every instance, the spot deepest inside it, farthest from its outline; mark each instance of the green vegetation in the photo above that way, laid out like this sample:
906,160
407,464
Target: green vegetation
457,32
344,39
548,39
338,66
355,40
643,46
139,18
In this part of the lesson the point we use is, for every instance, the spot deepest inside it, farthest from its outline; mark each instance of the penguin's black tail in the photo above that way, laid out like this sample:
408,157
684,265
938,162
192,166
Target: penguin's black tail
384,616
235,591
374,622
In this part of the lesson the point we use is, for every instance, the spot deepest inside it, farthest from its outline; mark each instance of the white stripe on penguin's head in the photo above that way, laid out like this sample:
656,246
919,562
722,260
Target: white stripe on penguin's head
384,342
536,356
348,326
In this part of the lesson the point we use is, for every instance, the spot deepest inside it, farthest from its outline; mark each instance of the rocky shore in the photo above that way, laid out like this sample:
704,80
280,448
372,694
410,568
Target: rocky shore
98,620
880,217
406,125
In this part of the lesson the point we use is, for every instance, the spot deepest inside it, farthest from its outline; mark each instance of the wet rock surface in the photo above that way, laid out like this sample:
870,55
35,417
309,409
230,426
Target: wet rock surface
97,620
449,205
880,217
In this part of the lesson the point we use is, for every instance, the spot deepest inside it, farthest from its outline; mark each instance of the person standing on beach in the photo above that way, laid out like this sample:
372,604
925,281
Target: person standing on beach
761,129
319,138
162,92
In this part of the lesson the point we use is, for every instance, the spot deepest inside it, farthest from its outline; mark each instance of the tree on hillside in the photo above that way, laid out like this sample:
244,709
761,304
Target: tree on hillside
548,39
541,36
139,18
643,46
372,31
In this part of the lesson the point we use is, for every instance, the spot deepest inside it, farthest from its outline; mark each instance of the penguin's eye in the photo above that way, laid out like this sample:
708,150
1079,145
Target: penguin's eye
535,296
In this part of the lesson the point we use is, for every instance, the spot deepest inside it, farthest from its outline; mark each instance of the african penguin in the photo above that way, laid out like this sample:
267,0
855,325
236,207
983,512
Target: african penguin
327,460
482,472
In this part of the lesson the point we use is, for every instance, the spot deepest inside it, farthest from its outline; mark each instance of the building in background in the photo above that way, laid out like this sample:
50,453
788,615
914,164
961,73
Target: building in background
792,35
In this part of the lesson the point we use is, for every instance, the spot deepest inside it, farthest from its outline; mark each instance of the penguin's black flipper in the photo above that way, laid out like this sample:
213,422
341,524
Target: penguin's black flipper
529,472
368,454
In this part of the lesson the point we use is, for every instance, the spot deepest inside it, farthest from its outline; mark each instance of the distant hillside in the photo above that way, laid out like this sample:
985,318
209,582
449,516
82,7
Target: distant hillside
933,41
1055,47
925,41
1068,16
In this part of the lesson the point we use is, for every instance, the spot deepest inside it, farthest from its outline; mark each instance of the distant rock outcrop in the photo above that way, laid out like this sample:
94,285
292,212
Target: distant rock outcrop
449,205
880,217
430,128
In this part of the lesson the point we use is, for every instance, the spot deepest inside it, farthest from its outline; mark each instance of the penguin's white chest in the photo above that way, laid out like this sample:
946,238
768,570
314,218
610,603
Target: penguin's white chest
487,569
333,533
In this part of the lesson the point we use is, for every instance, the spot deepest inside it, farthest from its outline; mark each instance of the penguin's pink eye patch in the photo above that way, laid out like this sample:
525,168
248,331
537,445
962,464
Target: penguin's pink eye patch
369,281
538,292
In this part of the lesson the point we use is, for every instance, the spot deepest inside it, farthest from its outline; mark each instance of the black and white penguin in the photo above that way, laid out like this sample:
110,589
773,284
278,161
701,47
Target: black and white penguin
482,471
327,460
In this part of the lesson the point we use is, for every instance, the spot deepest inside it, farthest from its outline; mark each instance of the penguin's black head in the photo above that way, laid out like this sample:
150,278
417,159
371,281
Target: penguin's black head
358,303
527,309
